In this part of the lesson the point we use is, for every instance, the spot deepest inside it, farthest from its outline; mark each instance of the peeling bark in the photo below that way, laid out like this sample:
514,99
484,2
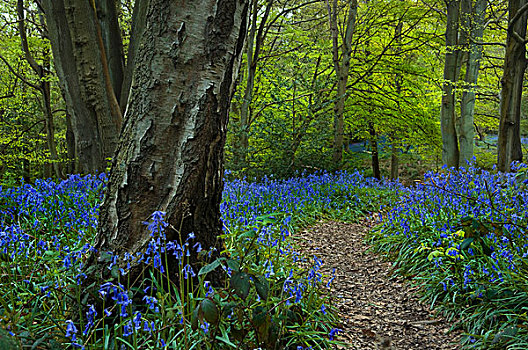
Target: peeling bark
138,27
170,157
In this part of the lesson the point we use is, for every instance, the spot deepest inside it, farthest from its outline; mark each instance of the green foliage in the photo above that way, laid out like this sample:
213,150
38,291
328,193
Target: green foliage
468,256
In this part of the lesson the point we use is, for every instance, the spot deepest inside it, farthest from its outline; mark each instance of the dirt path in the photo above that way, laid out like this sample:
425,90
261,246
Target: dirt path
378,311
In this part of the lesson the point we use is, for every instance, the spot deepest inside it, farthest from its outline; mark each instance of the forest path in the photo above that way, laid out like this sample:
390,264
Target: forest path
377,310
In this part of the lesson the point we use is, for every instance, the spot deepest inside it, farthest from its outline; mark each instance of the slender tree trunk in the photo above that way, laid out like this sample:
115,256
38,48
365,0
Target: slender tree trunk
395,160
450,153
341,67
70,145
78,52
44,87
375,152
509,144
467,106
254,45
170,157
50,130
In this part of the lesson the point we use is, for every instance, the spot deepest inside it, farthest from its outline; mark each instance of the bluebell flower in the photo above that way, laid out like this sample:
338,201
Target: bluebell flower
333,333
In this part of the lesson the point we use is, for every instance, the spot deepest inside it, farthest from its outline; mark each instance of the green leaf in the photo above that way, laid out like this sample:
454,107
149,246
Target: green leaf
259,316
103,258
225,339
227,308
240,283
233,265
269,218
434,254
239,334
273,334
262,287
5,305
210,311
208,268
466,243
115,272
50,255
194,318
507,333
7,341
485,248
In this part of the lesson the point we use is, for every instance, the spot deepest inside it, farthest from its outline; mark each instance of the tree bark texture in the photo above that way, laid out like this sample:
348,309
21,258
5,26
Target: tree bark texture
112,41
74,37
509,144
170,157
466,136
341,67
138,27
450,153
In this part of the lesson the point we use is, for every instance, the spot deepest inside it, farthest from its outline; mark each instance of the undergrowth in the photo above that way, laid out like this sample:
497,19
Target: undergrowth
273,298
461,235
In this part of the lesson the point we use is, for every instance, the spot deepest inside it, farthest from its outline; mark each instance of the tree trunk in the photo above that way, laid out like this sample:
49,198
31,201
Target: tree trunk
254,45
138,27
509,144
70,145
44,87
113,44
170,157
450,152
341,68
375,153
76,41
395,160
467,106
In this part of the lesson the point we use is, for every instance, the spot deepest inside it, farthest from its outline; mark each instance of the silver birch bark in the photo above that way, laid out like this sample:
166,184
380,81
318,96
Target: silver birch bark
170,157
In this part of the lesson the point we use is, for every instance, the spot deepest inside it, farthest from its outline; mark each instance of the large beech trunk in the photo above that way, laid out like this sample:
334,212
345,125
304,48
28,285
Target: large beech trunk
170,157
80,62
509,144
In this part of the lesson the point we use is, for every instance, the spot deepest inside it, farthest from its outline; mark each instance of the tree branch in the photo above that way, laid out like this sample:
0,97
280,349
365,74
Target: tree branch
18,75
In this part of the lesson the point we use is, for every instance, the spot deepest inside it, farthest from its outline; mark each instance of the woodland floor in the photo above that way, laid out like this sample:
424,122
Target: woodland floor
377,309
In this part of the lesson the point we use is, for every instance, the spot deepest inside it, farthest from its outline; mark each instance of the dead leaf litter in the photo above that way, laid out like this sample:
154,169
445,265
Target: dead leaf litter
377,309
